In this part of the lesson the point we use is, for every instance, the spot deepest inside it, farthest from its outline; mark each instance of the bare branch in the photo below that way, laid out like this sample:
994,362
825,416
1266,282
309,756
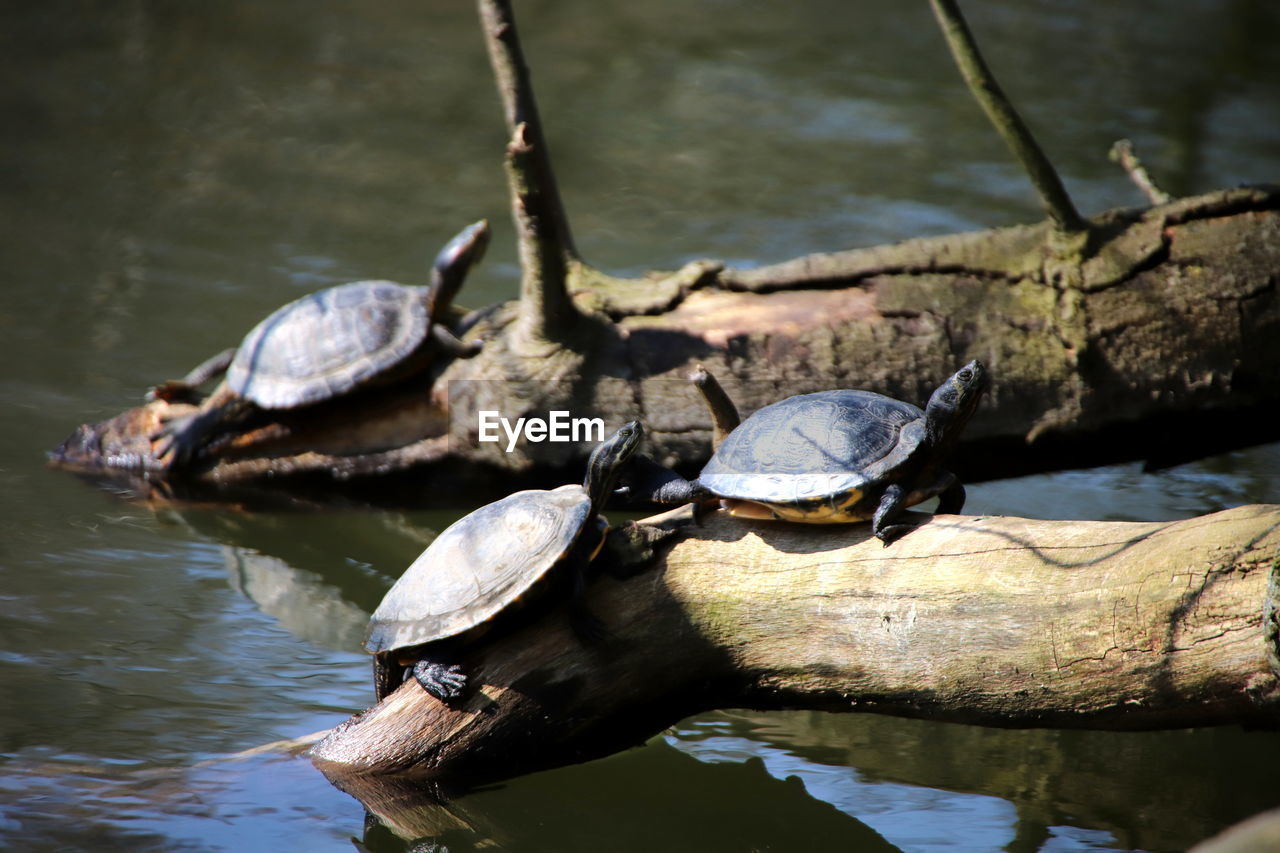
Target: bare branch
982,84
542,228
1122,152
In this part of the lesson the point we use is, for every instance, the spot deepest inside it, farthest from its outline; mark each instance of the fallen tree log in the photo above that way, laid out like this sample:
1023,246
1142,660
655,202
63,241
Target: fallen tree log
1177,313
987,620
1117,326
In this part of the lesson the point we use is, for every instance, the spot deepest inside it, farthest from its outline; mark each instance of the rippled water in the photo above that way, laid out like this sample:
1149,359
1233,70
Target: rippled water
175,171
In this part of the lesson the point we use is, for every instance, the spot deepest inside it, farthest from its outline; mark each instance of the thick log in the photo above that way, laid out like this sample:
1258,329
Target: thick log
990,620
1176,313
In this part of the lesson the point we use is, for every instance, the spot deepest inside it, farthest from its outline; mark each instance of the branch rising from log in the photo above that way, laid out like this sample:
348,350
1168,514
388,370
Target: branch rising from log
999,109
1122,152
542,228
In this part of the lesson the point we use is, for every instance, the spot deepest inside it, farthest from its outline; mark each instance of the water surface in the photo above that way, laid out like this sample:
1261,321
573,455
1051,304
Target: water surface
173,172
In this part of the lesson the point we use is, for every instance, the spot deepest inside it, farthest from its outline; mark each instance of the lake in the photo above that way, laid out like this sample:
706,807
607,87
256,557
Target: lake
173,172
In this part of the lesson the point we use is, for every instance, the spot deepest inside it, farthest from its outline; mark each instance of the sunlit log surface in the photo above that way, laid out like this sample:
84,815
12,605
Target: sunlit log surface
1129,353
990,620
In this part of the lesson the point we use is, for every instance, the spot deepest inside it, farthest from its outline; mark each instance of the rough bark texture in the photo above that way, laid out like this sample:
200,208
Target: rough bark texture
1175,313
995,621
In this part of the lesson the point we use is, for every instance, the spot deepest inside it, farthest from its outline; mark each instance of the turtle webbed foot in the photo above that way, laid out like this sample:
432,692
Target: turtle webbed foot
182,439
176,443
167,445
443,681
634,547
893,532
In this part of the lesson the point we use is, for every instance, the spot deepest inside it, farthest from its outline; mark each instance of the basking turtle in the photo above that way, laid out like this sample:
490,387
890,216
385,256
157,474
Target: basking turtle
323,346
833,456
481,564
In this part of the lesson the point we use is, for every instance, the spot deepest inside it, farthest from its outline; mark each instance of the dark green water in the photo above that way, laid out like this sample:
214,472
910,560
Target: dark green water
173,171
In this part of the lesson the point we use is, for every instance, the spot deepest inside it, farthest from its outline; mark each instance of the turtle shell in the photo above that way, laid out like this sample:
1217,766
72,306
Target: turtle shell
479,566
820,453
328,343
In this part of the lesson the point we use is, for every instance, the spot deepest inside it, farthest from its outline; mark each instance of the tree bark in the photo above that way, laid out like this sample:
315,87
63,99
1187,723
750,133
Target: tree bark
987,620
1107,359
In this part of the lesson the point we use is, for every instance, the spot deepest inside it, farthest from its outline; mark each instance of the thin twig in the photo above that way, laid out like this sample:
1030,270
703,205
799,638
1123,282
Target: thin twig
1122,152
982,84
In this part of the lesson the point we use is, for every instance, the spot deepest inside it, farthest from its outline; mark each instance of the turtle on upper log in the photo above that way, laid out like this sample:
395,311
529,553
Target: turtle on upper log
481,564
830,457
323,346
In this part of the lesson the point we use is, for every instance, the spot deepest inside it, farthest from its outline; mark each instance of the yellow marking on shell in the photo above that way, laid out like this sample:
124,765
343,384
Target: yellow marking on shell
855,495
815,513
747,509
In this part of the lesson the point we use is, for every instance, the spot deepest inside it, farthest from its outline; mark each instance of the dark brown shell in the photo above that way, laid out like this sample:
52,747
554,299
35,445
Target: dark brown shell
328,343
479,566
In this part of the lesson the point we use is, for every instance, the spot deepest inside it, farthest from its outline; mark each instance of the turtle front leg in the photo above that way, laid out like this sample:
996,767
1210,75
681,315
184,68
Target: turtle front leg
648,480
441,679
892,503
951,500
590,630
450,343
181,441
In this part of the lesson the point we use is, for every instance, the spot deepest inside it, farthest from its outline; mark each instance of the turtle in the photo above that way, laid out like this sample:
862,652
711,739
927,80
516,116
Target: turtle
323,346
481,564
830,457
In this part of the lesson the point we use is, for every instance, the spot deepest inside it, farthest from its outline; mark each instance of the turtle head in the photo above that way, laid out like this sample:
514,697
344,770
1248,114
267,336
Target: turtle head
954,403
452,264
607,460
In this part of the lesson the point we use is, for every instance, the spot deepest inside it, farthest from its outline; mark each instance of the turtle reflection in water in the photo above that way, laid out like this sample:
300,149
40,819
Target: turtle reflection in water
831,457
481,564
321,347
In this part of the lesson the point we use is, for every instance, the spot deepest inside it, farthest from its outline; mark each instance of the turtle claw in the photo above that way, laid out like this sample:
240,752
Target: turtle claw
183,439
891,533
443,681
171,444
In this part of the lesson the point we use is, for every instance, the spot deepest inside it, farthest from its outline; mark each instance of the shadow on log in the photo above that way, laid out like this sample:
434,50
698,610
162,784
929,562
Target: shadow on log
989,620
